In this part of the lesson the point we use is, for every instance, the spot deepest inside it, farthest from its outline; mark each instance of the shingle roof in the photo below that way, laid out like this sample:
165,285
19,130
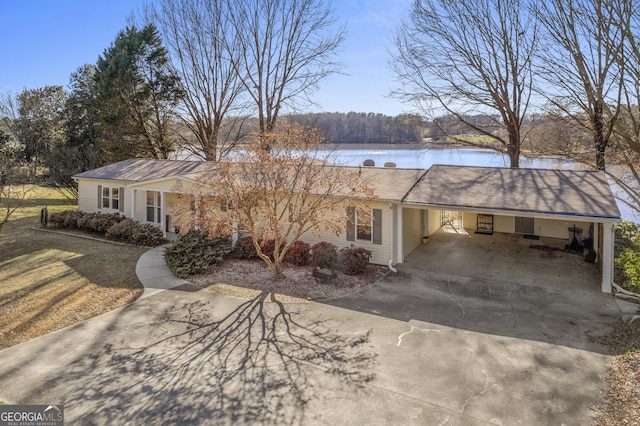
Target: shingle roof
558,192
389,183
139,170
555,192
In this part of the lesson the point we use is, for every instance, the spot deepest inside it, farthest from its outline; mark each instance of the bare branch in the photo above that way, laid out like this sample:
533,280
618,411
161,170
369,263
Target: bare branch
470,57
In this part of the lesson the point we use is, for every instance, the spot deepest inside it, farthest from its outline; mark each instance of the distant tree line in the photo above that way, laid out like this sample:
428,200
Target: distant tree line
364,128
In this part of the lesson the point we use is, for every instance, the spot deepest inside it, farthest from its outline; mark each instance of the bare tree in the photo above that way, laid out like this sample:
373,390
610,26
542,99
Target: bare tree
278,195
582,41
627,128
286,50
203,48
470,57
13,187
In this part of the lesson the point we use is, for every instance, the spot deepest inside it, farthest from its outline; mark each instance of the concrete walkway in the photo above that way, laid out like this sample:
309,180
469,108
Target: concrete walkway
153,273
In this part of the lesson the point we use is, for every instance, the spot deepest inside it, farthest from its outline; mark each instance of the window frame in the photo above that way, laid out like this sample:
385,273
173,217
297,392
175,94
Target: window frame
375,226
156,207
368,225
111,198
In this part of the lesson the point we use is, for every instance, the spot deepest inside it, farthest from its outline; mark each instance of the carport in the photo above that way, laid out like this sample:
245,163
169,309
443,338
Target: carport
506,258
509,208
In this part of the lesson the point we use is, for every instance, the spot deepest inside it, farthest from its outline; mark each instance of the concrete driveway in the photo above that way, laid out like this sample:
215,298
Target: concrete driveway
417,348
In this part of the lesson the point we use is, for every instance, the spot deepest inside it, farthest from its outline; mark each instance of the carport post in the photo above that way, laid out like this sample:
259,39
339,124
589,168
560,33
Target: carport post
607,256
400,236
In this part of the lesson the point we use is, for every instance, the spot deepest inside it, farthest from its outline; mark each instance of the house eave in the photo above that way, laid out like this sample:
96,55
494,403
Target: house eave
521,213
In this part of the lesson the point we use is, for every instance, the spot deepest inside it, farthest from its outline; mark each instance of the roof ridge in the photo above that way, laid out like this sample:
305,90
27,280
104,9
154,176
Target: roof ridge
404,197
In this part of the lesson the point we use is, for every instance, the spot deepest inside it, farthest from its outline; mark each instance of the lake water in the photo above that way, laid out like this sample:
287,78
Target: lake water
425,157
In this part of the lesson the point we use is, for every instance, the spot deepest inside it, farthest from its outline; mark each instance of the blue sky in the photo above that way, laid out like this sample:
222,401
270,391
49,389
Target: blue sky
44,41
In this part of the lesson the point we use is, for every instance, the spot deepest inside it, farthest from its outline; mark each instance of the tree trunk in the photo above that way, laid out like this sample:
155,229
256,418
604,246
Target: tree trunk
598,135
276,268
513,149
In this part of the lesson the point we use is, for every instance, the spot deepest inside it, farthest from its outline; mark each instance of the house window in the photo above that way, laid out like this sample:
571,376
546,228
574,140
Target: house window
106,197
154,209
361,229
110,197
115,199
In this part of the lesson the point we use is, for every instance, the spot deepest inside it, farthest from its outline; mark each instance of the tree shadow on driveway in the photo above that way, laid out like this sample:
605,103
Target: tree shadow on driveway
258,362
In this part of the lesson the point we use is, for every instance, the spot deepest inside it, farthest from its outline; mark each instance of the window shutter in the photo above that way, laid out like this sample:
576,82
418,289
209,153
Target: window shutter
99,196
377,226
351,224
121,199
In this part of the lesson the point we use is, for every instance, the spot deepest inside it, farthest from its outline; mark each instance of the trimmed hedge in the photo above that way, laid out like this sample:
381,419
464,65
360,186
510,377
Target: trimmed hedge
353,260
111,226
195,253
97,223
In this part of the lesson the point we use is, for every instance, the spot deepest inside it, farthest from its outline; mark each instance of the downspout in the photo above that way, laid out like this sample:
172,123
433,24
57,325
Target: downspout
391,227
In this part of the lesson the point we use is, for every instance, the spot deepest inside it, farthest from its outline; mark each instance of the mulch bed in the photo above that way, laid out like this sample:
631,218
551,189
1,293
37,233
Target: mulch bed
622,403
246,278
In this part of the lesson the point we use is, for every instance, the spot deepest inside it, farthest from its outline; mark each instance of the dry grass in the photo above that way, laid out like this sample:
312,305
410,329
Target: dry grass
49,281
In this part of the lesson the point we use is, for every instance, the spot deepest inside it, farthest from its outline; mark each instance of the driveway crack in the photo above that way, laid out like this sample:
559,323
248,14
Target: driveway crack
452,297
414,328
479,394
513,311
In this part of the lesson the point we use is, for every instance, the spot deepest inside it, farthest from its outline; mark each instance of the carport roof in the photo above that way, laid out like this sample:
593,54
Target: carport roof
553,192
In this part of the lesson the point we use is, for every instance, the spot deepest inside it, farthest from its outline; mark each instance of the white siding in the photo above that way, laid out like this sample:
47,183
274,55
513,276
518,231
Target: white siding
435,219
411,229
88,196
469,220
559,228
141,205
380,253
504,224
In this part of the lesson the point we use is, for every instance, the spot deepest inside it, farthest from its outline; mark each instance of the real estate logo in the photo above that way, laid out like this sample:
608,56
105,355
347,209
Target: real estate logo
31,415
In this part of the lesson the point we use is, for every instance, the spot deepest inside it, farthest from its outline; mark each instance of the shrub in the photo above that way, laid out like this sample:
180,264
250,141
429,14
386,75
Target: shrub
298,254
132,232
122,231
195,253
627,249
64,219
629,262
244,249
353,261
148,235
324,254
